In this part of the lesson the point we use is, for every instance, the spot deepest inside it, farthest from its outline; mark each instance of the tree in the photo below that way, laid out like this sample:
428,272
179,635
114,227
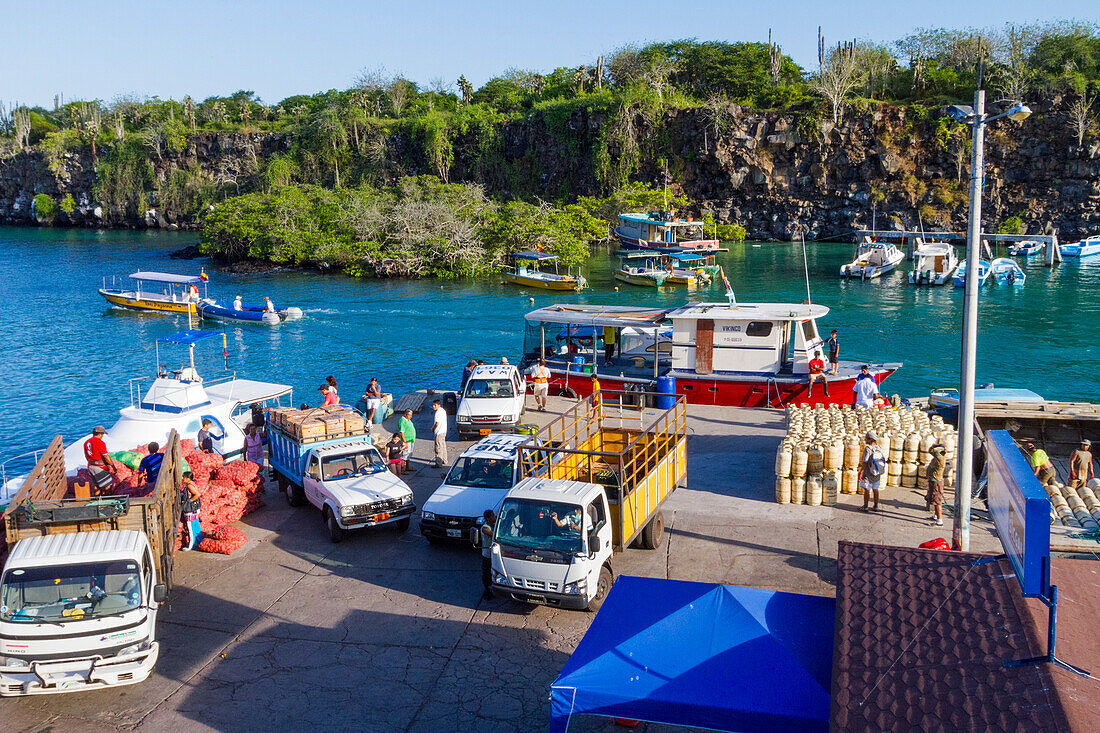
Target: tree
88,122
1080,118
332,133
298,112
399,91
875,66
465,88
189,111
838,75
21,119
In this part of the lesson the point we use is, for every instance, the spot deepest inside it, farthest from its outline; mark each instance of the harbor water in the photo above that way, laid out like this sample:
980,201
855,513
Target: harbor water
68,356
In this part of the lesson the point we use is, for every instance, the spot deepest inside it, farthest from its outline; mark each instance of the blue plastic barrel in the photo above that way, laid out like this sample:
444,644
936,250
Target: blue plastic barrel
666,392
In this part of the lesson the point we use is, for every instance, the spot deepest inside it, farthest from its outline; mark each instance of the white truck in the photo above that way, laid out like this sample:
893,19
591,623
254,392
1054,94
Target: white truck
81,587
560,526
491,401
341,473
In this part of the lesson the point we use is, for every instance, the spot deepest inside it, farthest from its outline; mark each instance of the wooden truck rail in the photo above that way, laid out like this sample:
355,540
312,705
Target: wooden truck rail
606,440
41,506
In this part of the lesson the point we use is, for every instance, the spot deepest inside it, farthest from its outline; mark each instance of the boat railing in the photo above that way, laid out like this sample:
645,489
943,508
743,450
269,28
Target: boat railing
19,465
138,391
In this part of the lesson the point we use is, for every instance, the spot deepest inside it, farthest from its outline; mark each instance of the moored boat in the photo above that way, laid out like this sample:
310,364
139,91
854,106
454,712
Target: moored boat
157,291
747,355
1029,248
874,259
690,268
936,263
527,272
209,308
639,268
959,278
1007,271
662,229
1085,248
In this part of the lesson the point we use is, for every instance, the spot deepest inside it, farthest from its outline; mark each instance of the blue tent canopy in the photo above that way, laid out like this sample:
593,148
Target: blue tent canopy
685,256
537,256
703,655
167,277
187,338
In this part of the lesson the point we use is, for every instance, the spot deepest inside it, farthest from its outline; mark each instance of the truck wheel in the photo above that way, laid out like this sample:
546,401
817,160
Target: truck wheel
294,494
654,532
401,525
603,586
335,532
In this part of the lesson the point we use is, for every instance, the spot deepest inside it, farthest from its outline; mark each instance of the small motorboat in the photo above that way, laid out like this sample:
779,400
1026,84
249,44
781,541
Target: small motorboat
166,292
638,268
688,268
936,263
1085,248
872,260
237,311
1026,249
960,274
527,273
1007,271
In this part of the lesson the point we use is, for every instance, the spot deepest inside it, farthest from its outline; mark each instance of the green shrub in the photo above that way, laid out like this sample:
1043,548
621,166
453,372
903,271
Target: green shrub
1012,225
45,208
68,204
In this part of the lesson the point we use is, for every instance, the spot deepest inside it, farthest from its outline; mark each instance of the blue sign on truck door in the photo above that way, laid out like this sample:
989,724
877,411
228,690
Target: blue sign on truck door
1021,511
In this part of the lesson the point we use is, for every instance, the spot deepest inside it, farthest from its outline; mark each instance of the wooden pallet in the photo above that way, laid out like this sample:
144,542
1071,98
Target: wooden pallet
413,401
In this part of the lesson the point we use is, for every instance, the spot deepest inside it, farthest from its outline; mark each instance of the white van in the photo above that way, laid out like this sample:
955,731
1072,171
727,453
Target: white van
478,480
492,401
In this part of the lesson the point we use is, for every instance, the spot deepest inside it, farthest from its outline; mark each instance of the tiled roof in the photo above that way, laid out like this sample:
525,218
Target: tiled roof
922,636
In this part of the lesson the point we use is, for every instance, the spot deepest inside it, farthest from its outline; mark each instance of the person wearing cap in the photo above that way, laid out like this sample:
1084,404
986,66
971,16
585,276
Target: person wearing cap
100,464
872,472
1080,465
865,388
934,497
372,396
1040,463
817,374
204,439
237,305
328,395
268,305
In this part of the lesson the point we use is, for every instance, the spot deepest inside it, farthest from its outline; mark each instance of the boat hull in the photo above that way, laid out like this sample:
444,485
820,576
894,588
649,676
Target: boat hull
929,277
534,282
133,302
747,391
699,245
866,272
1081,250
645,281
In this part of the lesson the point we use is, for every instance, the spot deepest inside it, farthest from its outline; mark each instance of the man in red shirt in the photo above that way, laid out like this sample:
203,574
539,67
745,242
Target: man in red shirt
817,373
100,463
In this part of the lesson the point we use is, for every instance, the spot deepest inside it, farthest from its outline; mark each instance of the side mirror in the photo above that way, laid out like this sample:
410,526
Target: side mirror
315,474
593,542
475,536
160,593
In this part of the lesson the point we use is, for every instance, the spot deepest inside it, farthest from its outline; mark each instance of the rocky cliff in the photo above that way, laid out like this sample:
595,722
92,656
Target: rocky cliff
778,175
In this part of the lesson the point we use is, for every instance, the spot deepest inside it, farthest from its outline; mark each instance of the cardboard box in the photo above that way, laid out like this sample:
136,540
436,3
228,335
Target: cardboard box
310,429
334,425
354,423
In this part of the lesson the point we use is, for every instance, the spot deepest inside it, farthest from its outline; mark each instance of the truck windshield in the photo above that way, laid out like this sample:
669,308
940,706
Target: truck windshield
351,464
486,473
70,592
540,525
490,388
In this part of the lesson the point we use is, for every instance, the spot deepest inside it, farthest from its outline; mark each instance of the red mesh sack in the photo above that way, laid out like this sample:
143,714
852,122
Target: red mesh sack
224,540
187,446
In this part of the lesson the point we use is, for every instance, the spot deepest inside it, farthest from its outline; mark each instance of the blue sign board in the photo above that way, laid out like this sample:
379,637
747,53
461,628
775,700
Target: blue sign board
1021,512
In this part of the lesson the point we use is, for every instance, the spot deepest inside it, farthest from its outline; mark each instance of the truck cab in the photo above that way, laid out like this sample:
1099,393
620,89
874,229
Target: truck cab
492,400
552,544
477,481
77,612
352,486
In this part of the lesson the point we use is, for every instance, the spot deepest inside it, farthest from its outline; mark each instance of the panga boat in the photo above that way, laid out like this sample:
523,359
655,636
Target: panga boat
873,260
1026,249
158,291
638,268
689,268
1085,248
1007,271
959,279
936,262
662,229
739,354
527,273
237,311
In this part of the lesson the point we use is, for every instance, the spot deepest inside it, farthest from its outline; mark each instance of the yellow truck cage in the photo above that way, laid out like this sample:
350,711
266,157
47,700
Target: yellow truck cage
638,455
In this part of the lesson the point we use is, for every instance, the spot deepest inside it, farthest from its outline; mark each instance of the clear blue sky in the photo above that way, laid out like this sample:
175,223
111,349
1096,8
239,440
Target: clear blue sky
101,50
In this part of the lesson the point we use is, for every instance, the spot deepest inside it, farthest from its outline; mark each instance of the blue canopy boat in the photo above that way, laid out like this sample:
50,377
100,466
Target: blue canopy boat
959,278
1007,271
237,311
1085,248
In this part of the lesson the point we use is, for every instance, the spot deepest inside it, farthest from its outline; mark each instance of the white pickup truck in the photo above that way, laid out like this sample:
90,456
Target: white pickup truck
492,400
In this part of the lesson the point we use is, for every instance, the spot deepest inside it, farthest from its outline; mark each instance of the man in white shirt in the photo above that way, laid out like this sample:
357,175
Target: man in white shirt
237,303
439,431
865,388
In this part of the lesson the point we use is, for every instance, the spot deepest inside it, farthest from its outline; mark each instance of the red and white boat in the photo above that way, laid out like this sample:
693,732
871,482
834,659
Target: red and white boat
736,354
661,230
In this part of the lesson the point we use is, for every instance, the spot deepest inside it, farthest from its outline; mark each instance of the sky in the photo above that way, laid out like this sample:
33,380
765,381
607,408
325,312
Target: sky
103,50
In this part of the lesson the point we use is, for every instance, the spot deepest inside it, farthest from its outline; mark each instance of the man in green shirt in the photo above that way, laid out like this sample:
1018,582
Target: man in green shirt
1040,463
408,431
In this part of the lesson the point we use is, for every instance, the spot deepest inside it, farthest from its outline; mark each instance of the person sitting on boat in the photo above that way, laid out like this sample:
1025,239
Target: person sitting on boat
865,388
269,307
101,466
193,293
817,374
372,395
237,303
329,396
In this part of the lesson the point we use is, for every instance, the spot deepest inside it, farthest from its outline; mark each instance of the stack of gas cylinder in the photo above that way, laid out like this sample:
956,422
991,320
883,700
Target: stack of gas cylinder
1075,507
820,455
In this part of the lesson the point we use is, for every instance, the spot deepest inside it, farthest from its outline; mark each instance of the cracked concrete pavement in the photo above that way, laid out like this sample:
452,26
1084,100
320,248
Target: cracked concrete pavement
385,632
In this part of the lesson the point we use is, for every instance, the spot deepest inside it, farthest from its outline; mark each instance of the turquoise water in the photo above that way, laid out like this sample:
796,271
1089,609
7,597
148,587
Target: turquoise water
68,356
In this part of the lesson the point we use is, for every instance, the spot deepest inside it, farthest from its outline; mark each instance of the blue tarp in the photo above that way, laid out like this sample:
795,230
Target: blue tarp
702,655
539,256
188,337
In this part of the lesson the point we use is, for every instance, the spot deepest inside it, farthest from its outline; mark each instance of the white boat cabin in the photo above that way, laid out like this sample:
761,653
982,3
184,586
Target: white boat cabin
767,338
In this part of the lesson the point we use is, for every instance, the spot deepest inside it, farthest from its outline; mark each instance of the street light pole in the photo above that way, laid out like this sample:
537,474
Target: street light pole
964,458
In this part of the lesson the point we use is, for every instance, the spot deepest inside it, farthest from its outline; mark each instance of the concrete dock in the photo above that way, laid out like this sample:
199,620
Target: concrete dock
385,632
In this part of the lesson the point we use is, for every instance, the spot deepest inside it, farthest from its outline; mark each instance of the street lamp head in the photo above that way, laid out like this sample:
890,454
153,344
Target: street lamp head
1019,112
960,112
